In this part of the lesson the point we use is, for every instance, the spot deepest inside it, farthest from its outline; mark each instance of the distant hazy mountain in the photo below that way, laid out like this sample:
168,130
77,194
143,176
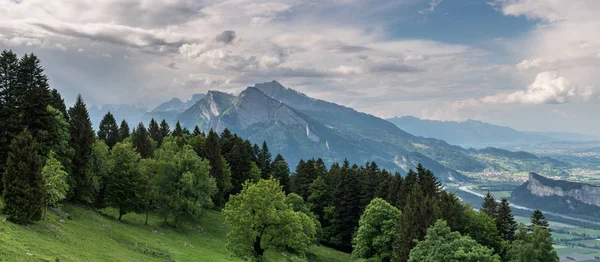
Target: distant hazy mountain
171,109
469,133
565,136
132,114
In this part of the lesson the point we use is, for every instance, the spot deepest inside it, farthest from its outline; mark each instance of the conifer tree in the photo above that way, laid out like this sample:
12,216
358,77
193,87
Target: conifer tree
505,221
319,198
196,132
108,131
154,131
58,102
347,207
489,205
58,132
428,181
81,140
142,142
264,160
9,67
538,219
281,171
165,130
305,174
23,182
219,167
123,131
178,131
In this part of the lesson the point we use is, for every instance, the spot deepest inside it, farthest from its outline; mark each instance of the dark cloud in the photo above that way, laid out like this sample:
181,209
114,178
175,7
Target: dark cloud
350,48
226,37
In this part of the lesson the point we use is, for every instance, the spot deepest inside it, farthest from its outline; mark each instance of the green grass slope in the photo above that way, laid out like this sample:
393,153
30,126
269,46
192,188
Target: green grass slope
91,236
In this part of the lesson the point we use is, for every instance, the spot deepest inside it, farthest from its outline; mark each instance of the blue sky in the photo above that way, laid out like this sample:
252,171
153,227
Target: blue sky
510,62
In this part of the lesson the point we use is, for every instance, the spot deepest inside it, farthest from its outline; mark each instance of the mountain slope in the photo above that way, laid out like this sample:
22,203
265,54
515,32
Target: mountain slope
469,133
301,133
132,114
558,196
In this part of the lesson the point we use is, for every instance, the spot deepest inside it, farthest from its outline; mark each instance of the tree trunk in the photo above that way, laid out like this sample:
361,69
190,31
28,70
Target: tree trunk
258,250
165,222
176,221
146,217
45,210
120,214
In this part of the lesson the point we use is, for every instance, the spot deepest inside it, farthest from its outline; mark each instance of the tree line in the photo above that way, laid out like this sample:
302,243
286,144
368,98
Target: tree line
49,155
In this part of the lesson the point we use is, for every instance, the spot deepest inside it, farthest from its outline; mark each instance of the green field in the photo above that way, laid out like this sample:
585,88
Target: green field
91,236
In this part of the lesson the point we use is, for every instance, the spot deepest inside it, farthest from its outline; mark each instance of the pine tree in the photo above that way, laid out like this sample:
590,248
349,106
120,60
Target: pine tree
81,140
538,219
154,131
264,160
429,183
219,168
196,132
123,131
9,67
178,131
347,206
281,171
23,182
505,221
58,102
108,131
489,205
305,174
165,130
142,142
33,97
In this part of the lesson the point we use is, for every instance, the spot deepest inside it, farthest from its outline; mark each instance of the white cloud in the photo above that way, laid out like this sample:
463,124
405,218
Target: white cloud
548,87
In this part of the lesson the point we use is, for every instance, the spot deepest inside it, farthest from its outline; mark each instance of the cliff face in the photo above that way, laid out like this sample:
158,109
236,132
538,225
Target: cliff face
545,187
558,196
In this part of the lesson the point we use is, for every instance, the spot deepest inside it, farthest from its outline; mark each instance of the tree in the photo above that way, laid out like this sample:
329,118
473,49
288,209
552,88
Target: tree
264,160
81,140
538,219
23,182
99,170
441,244
196,132
489,205
259,219
125,183
534,247
183,185
58,132
254,175
319,198
418,214
219,167
55,182
9,68
123,131
305,174
178,131
154,131
505,221
376,232
482,228
142,141
56,101
346,202
281,171
108,131
165,130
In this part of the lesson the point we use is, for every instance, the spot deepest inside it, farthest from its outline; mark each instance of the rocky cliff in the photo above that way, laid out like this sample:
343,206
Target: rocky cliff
559,196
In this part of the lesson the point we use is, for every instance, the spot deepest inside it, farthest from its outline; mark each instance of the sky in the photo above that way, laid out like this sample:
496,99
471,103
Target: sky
528,64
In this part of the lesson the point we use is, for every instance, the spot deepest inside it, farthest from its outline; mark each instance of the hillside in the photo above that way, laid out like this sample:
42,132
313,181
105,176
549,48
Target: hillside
89,236
469,133
558,196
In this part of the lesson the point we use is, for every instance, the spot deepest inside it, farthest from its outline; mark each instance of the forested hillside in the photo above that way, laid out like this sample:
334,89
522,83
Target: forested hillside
173,178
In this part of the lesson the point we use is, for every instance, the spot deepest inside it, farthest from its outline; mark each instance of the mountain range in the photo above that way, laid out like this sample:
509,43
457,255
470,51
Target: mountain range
301,127
477,134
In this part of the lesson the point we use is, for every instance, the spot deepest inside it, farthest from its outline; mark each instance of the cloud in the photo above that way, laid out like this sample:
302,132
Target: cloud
226,37
432,5
548,88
